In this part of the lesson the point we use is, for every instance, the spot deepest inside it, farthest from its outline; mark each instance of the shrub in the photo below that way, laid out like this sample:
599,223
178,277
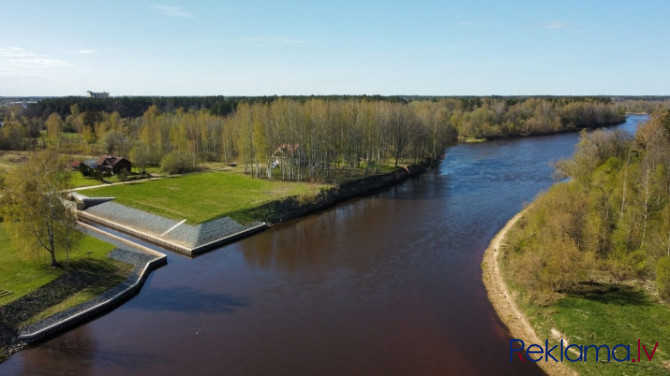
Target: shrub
176,163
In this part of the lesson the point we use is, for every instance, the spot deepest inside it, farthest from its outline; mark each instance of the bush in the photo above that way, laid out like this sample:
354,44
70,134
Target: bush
123,175
176,163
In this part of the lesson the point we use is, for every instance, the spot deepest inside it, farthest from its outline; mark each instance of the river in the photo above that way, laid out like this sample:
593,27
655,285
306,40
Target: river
388,284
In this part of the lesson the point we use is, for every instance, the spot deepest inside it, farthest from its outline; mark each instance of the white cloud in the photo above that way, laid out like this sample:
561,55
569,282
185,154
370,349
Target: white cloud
554,25
16,61
15,52
173,11
37,62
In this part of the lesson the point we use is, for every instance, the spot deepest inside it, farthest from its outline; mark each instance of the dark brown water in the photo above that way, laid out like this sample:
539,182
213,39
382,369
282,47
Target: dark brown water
384,285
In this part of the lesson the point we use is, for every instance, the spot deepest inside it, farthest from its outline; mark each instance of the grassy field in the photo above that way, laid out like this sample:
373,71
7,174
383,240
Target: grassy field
604,314
202,197
31,290
21,273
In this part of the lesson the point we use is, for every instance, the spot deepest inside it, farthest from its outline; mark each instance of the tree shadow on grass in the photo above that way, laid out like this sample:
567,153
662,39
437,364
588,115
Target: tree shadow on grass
611,294
78,276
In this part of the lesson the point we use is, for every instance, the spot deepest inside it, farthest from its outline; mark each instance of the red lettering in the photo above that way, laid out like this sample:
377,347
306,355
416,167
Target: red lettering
652,353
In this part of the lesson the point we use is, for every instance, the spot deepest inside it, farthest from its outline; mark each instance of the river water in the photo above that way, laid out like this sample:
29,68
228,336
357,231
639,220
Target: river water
388,284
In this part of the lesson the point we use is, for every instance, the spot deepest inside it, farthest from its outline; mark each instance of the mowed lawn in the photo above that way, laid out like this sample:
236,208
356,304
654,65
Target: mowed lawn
202,197
21,273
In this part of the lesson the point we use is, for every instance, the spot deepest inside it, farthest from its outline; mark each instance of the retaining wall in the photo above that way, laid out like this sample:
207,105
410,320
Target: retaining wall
291,207
95,311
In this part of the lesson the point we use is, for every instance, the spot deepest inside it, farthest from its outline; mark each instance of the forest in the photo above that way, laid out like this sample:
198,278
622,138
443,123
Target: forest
294,138
608,223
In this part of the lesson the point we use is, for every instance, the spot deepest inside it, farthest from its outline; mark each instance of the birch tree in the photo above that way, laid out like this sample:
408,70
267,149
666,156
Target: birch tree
34,206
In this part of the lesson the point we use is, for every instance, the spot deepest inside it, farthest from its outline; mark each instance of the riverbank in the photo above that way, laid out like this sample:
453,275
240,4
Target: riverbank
542,133
296,206
502,298
158,222
591,313
88,286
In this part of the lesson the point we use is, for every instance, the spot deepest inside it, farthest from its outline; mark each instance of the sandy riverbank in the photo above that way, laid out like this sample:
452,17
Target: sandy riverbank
503,301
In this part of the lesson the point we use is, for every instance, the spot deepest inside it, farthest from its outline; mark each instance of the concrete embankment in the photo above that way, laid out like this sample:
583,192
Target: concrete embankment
295,206
172,243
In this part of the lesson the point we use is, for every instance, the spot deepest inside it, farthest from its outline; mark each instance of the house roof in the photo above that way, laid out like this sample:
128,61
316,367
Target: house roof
286,149
109,160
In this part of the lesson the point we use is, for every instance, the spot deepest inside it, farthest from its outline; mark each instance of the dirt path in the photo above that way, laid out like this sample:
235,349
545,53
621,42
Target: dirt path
503,301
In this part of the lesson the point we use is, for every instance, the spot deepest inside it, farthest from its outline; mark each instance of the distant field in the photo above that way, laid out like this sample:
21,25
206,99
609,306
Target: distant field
202,197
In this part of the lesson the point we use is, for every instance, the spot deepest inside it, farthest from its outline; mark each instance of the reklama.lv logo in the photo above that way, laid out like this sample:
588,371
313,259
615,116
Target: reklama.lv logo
578,353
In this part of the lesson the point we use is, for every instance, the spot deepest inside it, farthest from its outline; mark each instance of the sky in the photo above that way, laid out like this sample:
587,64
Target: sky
322,47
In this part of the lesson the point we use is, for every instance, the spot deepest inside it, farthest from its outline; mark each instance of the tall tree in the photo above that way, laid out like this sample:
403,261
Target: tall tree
54,128
34,206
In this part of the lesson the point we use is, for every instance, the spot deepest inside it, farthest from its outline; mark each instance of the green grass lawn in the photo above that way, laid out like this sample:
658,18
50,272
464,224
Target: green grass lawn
21,273
79,180
608,315
202,197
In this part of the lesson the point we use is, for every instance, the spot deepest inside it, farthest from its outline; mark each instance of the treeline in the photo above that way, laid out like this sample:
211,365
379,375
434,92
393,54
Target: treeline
609,222
295,137
646,104
129,107
510,117
136,106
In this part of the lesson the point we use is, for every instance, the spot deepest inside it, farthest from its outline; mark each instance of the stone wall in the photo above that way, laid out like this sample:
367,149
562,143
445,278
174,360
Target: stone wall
292,207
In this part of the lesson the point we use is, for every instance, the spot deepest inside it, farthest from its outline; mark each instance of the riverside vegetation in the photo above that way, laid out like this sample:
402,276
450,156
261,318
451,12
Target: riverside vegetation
591,257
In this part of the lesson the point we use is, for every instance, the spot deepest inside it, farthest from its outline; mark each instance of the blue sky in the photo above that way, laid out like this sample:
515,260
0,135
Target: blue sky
257,47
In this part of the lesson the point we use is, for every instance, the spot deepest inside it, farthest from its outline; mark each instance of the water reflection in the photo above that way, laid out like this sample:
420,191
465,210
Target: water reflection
73,356
188,299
